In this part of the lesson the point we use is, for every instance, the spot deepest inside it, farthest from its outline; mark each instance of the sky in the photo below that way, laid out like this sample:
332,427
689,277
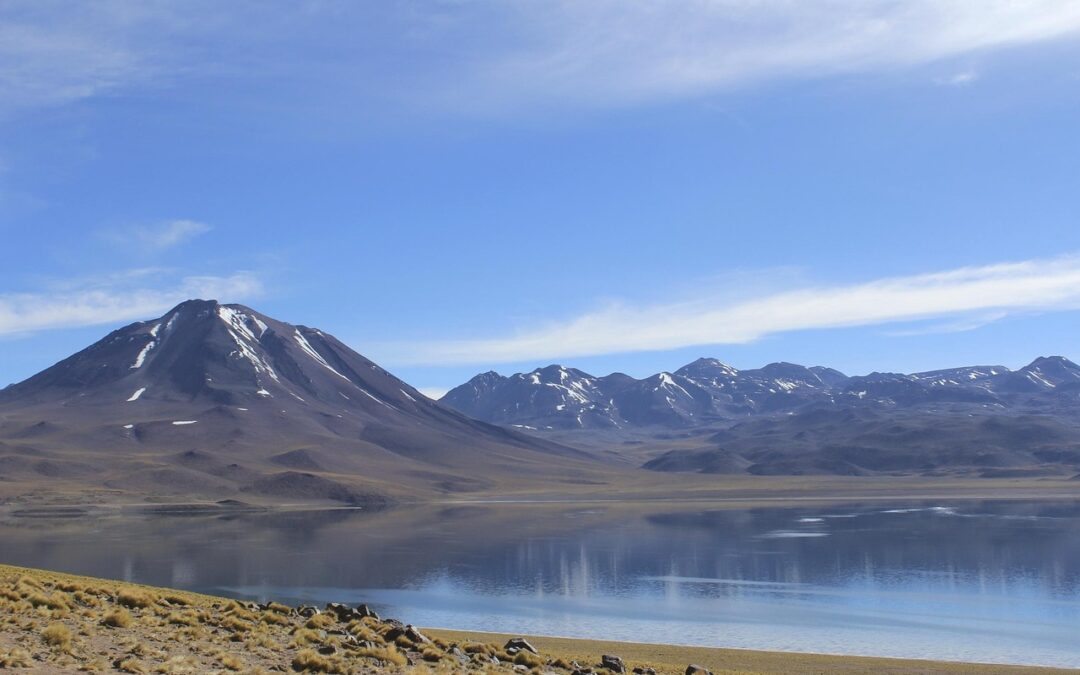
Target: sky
456,186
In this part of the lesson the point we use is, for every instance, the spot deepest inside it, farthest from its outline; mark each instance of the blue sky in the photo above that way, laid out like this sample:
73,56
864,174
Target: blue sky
453,186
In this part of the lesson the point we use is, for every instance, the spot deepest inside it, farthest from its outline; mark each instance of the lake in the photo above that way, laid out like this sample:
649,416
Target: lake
974,581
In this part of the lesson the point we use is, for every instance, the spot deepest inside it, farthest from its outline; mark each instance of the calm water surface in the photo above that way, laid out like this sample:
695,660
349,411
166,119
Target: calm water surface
979,581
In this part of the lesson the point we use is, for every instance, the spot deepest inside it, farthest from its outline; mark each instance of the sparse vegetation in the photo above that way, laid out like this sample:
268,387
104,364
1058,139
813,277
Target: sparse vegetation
118,618
179,633
134,599
58,636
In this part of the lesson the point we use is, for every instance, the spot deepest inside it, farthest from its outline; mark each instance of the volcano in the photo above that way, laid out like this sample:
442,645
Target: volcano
220,401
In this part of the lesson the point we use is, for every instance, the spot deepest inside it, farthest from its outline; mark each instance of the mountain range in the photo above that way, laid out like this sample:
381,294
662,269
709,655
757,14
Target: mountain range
784,418
220,403
708,391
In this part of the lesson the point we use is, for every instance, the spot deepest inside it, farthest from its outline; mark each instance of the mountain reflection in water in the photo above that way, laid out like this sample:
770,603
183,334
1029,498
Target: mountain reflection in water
980,581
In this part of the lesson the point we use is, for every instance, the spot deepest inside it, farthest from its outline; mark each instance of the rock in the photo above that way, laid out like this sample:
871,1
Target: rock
397,629
327,650
694,669
519,644
461,656
512,651
612,663
415,635
307,611
365,611
342,612
643,671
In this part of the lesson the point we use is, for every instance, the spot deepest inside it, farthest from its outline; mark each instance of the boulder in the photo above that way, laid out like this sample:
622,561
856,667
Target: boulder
694,669
612,663
517,644
415,635
307,611
397,629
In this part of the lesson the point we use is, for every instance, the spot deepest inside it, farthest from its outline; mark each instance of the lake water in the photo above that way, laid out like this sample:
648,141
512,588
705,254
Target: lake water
983,581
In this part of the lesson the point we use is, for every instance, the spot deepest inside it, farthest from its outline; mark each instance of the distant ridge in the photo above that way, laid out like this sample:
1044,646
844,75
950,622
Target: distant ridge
708,391
786,419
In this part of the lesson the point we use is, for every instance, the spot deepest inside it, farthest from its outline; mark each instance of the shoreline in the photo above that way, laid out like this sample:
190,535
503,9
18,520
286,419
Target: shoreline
55,622
743,492
568,644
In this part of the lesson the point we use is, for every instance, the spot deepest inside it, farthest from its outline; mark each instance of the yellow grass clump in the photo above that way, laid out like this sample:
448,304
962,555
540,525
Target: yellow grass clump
387,655
134,599
118,618
16,658
310,661
58,636
320,622
130,665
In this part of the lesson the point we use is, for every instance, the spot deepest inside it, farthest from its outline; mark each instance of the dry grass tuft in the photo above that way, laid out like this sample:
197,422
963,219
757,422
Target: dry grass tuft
187,618
528,659
310,661
320,622
130,665
58,636
16,658
118,618
234,624
174,599
432,654
304,636
29,581
387,655
274,618
51,601
134,599
231,662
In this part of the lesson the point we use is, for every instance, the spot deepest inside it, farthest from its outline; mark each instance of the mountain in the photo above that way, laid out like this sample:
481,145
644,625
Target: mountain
786,419
708,391
222,401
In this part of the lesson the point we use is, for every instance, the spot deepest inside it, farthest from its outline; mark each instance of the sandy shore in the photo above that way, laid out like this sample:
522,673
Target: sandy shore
60,623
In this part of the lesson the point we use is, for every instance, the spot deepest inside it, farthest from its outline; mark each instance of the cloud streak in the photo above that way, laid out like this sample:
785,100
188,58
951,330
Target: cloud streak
607,50
487,56
124,297
994,290
161,236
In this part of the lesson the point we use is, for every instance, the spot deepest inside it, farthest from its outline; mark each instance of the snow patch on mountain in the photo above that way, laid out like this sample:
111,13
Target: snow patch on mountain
310,351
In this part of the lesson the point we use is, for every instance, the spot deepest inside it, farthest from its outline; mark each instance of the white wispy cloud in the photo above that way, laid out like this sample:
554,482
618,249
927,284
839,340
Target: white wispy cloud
128,296
993,290
962,324
490,55
159,236
961,79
